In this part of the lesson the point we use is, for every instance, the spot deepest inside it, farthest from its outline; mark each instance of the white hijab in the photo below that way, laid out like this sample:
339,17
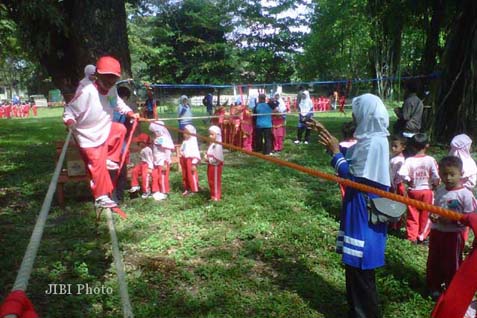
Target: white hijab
369,157
460,147
165,139
306,105
282,107
215,150
190,147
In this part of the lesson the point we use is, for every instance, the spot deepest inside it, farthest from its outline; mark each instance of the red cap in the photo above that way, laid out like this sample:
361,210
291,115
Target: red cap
108,65
142,138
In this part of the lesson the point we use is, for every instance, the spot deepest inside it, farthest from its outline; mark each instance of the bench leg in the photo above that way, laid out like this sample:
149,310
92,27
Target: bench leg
60,195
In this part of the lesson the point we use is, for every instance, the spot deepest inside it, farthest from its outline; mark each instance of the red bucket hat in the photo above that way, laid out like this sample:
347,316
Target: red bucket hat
108,65
142,138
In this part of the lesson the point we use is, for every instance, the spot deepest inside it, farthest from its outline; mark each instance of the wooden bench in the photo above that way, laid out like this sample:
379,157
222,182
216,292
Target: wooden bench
72,159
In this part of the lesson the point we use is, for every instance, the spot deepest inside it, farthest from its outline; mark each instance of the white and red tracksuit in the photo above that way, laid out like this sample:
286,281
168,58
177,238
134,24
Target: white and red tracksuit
421,173
160,174
446,241
397,184
190,157
142,170
215,162
97,136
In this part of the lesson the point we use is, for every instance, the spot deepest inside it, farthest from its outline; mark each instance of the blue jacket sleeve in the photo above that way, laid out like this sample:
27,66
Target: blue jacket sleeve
341,165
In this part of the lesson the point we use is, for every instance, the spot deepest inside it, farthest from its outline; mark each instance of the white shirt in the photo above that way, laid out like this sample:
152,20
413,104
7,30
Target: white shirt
459,200
420,171
93,114
161,155
395,164
147,157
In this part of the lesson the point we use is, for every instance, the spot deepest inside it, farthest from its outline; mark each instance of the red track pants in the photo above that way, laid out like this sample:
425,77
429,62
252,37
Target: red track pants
418,224
160,178
214,176
95,160
190,179
140,170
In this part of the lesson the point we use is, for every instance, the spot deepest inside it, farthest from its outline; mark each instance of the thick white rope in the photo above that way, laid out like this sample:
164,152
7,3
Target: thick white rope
23,275
123,286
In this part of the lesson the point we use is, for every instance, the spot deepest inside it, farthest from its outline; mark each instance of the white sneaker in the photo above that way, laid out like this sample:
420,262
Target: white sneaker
105,202
111,165
306,142
146,195
158,196
134,189
296,142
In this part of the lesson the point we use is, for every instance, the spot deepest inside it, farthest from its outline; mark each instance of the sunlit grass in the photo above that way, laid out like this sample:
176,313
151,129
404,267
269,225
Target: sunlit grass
265,250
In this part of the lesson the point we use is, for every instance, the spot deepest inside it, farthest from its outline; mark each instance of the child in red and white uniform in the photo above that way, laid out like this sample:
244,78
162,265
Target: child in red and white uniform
144,168
190,157
347,142
398,144
215,161
446,241
421,174
162,149
89,115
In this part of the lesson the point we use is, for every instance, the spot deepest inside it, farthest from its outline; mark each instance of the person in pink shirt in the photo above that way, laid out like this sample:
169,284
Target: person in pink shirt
90,117
144,168
446,241
421,174
460,147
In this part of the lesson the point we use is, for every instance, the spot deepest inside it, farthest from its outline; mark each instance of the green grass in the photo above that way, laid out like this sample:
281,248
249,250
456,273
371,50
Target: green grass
265,250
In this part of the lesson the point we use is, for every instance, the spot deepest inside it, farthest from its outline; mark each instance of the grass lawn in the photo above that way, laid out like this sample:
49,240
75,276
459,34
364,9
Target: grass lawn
265,250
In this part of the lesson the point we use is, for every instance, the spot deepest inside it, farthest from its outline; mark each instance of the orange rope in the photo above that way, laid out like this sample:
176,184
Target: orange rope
346,182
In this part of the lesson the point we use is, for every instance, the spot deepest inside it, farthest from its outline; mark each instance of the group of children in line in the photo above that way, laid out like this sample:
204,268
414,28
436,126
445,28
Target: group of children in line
20,110
448,184
155,160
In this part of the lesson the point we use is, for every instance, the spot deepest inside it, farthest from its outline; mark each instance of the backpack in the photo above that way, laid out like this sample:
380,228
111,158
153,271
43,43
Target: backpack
204,101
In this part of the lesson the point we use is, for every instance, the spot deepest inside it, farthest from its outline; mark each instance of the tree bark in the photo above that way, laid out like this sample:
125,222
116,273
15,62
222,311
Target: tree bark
456,96
84,31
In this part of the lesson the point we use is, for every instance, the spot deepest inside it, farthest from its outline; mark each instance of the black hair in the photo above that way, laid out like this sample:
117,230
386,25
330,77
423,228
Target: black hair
348,129
419,141
412,86
123,91
262,97
451,161
400,138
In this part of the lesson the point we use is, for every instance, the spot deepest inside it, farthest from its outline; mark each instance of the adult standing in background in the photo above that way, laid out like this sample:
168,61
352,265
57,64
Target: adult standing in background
410,114
184,112
305,108
209,105
150,104
263,126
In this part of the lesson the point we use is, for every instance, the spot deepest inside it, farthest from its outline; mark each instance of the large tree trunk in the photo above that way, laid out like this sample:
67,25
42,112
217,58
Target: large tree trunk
431,48
456,96
67,35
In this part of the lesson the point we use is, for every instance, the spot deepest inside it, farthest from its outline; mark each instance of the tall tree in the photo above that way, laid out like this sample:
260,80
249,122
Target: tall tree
456,96
67,35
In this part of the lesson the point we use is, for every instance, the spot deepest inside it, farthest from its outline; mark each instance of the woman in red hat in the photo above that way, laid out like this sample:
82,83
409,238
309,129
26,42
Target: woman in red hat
89,114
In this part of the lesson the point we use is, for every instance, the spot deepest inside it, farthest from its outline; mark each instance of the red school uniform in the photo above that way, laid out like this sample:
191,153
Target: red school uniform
421,173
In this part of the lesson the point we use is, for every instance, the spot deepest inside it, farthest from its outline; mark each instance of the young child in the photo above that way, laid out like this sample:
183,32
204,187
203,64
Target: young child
347,142
190,157
89,115
215,161
144,168
446,238
398,145
348,136
278,123
162,149
421,174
